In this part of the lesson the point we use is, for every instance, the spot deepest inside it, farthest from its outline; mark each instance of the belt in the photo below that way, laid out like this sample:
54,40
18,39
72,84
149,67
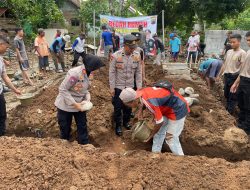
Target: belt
245,78
231,74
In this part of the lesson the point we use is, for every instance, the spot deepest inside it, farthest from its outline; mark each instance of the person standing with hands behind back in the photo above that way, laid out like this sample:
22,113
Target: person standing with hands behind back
22,55
4,44
42,49
243,85
124,69
231,69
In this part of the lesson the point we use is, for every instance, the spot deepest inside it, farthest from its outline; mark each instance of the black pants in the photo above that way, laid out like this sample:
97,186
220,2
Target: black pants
3,115
231,98
77,56
122,112
244,103
65,121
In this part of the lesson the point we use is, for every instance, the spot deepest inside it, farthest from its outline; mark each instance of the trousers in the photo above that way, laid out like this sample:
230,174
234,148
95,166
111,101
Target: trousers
122,113
77,55
65,121
244,103
231,98
58,59
3,115
171,127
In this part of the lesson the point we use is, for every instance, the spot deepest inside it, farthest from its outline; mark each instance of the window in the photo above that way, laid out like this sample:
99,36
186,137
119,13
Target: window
75,22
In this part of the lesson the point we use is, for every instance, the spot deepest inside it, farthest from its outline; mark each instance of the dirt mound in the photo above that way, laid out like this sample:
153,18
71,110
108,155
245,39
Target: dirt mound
56,164
206,132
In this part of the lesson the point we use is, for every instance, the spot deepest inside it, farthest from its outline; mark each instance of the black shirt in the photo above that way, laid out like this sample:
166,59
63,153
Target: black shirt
227,45
159,45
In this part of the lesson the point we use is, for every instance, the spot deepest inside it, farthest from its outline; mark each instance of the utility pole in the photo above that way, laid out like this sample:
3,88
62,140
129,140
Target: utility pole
94,31
163,28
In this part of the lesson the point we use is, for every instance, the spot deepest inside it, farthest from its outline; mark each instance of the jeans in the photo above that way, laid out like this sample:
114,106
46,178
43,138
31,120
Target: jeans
3,115
65,121
192,54
76,57
171,127
244,103
122,112
231,98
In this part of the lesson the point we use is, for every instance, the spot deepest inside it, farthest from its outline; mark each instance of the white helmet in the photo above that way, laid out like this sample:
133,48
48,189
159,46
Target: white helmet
66,38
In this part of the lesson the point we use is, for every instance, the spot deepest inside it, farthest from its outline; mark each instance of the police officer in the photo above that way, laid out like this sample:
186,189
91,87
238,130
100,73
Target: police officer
123,67
73,92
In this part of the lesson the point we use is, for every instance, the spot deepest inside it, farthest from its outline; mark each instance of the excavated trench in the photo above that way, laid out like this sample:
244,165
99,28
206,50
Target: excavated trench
209,129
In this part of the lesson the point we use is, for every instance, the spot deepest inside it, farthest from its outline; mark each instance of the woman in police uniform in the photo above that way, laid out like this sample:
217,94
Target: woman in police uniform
72,92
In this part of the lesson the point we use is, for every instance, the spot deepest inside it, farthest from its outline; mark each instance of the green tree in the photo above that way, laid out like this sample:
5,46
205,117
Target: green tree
183,13
35,13
107,7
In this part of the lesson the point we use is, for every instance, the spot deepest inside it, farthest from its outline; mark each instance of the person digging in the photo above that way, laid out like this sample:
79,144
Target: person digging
169,109
209,70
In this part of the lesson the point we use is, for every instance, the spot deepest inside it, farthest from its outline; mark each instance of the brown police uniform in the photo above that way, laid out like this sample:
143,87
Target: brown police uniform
122,70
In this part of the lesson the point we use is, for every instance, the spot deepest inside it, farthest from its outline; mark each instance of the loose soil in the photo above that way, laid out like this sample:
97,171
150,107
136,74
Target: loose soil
45,164
209,129
120,163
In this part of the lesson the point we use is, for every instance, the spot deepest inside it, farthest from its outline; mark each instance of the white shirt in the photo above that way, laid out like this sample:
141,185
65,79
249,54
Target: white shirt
198,38
193,43
80,45
2,71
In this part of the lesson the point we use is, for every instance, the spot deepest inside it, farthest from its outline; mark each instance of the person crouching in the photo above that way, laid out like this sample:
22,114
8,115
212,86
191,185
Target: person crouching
72,92
169,110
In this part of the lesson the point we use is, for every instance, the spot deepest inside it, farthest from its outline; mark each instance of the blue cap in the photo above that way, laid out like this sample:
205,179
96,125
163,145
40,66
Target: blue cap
171,35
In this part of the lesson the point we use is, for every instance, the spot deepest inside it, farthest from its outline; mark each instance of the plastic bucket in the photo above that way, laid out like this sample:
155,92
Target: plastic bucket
141,131
26,99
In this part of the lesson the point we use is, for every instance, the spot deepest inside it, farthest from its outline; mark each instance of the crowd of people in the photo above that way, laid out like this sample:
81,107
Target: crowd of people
235,69
128,84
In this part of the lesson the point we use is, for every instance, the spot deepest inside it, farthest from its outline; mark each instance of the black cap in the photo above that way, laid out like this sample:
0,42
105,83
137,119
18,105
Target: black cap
130,40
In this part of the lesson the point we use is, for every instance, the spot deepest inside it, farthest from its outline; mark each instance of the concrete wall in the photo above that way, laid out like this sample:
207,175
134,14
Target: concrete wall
51,33
215,39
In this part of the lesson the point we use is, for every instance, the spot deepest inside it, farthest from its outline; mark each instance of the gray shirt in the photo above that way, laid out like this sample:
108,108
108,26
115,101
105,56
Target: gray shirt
123,70
73,89
143,38
19,44
2,72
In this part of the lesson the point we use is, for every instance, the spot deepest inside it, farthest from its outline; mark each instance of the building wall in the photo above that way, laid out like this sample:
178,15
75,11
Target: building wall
69,10
214,40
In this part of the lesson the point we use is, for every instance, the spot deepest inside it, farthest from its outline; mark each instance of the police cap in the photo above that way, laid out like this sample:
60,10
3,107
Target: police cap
130,40
137,35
